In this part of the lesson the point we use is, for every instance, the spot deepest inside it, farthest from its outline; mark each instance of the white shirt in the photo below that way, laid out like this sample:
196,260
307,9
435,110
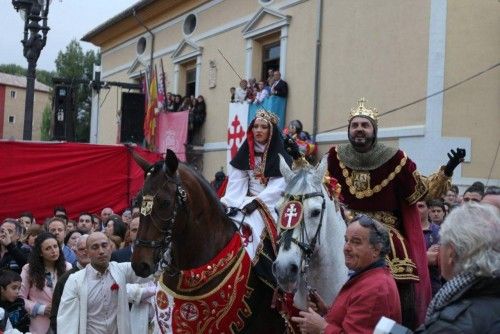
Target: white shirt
261,96
102,302
240,95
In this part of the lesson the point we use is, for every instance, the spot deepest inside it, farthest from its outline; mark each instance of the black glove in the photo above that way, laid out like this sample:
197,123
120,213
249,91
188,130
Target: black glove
455,159
292,148
250,207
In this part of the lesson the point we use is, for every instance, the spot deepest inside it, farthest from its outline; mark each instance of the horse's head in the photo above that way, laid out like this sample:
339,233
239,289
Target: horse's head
161,197
302,215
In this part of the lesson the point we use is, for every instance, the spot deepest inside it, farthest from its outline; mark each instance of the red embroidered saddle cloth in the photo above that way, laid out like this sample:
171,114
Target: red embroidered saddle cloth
221,310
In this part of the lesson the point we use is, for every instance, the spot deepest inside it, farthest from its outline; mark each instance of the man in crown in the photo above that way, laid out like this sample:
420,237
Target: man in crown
383,182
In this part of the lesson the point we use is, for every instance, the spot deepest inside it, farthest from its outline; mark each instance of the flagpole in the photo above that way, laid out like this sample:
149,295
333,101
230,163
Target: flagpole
164,85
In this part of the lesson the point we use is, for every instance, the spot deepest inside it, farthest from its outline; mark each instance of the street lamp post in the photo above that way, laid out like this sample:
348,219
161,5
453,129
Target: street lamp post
32,11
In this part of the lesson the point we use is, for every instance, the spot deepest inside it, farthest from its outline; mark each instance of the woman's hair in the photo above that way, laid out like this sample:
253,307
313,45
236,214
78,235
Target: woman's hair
119,227
116,240
68,236
474,231
8,276
36,271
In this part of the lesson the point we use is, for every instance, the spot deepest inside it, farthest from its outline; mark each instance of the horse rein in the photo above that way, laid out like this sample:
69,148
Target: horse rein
307,249
159,222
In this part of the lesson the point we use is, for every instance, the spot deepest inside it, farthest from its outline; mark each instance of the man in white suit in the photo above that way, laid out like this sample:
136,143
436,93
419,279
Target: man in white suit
95,298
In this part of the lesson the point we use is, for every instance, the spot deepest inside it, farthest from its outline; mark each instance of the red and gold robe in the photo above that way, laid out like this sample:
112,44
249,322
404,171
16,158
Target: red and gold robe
388,193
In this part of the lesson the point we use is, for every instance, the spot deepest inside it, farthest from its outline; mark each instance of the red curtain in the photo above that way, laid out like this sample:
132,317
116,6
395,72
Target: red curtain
37,177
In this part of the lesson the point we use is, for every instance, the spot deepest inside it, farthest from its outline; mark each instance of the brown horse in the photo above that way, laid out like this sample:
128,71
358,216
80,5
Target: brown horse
185,234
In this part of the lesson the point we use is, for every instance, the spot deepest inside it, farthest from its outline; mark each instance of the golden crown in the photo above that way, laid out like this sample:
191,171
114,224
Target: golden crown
363,111
267,116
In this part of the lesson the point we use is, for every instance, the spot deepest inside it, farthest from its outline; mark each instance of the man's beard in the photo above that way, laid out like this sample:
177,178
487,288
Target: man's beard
368,142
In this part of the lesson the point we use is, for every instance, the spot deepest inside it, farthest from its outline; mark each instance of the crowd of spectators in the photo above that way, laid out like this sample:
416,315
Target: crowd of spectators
252,91
36,259
433,213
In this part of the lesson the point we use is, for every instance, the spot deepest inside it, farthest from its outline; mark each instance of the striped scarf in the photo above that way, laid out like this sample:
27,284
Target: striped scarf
450,290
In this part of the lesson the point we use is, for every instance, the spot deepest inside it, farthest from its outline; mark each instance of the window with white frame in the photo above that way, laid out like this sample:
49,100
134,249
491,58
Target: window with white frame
12,119
12,94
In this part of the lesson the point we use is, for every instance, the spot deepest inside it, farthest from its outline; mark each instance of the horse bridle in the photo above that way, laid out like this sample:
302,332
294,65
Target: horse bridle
306,248
159,222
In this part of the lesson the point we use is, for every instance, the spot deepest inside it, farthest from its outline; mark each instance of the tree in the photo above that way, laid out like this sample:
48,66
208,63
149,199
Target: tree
42,76
73,64
46,123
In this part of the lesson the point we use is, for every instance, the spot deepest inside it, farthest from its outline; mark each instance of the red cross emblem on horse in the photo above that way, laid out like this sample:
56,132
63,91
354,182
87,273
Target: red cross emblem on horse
291,215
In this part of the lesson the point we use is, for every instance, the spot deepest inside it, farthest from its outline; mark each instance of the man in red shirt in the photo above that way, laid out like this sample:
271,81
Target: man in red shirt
370,292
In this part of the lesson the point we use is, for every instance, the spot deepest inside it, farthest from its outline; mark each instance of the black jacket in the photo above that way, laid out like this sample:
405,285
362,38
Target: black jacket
122,254
281,89
17,315
56,297
15,258
475,310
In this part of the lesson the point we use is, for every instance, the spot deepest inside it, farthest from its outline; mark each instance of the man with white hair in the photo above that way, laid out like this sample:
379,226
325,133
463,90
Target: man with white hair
470,261
82,259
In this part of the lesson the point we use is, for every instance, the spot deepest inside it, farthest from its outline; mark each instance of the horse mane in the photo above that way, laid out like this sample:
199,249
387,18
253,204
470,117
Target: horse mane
207,188
301,183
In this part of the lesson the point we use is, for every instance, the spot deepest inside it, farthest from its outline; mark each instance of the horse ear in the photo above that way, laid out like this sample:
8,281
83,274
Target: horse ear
171,162
287,173
321,168
143,163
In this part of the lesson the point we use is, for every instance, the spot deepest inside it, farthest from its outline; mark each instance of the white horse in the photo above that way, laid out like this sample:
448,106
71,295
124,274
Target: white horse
310,254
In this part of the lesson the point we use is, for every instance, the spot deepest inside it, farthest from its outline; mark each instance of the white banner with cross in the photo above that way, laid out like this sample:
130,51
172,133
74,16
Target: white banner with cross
236,129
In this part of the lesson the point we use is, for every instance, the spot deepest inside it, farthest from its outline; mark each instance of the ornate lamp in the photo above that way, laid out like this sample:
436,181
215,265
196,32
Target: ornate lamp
35,38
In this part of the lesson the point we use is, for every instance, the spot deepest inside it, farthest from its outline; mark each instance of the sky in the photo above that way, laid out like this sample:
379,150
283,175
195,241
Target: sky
68,19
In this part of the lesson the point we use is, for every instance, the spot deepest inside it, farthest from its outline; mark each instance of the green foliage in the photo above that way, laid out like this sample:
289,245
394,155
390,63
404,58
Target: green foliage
13,69
42,76
45,77
46,123
73,63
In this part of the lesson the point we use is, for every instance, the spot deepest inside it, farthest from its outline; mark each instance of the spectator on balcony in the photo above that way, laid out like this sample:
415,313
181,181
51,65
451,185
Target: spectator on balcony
279,87
177,102
270,74
169,105
186,104
196,119
232,92
251,94
241,92
262,93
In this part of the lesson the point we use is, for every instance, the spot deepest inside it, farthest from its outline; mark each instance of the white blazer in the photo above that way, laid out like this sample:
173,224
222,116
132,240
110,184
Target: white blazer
72,313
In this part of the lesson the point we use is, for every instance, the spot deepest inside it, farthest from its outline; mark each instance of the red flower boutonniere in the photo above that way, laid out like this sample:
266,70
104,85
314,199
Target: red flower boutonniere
115,287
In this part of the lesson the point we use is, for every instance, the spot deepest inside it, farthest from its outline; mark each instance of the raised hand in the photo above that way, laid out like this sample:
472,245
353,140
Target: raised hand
455,158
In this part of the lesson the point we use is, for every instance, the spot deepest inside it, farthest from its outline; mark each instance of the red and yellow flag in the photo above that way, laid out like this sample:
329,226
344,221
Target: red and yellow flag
150,117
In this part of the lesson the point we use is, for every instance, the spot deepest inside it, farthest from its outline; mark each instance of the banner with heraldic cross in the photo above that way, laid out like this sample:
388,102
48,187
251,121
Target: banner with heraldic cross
236,129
